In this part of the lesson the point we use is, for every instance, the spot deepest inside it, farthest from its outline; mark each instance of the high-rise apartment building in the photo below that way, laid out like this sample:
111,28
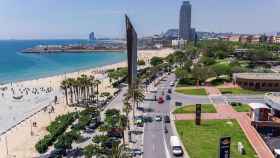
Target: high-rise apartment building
185,31
92,36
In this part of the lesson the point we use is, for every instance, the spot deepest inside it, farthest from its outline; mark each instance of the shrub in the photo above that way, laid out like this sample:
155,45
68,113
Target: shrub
56,128
187,81
43,144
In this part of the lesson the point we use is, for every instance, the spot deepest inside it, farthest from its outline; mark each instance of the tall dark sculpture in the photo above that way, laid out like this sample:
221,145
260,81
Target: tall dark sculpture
131,37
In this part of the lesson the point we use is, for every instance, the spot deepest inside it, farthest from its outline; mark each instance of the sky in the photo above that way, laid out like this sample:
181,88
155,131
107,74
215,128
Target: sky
49,19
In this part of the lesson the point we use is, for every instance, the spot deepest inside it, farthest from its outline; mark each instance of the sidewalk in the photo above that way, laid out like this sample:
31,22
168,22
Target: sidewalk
225,111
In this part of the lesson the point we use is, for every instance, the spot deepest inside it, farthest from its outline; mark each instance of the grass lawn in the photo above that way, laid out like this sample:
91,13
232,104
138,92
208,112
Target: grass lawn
203,141
205,108
191,91
242,108
239,91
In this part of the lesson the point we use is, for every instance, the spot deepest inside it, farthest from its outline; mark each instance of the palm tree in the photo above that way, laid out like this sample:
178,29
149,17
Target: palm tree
64,85
119,151
92,85
71,83
97,83
136,93
123,124
126,109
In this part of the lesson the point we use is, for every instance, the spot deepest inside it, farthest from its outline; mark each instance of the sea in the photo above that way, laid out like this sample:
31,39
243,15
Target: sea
17,66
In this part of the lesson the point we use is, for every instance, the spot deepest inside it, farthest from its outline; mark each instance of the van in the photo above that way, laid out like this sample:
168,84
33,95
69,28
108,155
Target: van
276,153
176,146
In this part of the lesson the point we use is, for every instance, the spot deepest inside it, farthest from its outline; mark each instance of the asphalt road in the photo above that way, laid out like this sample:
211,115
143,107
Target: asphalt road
156,141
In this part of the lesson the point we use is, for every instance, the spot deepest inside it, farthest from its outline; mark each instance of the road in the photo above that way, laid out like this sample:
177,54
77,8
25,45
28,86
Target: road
156,141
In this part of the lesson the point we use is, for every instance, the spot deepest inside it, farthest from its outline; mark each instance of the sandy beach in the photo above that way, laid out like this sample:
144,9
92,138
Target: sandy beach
18,103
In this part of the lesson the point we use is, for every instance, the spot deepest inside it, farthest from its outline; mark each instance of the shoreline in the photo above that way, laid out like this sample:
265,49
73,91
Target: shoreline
18,139
2,83
77,51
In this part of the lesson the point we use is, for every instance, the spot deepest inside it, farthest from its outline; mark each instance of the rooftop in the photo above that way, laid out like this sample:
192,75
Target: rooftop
273,100
258,106
258,76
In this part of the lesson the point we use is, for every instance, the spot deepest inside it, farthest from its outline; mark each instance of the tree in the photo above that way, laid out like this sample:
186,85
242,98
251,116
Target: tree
207,60
156,61
141,62
179,57
64,85
126,109
97,83
136,94
119,151
201,73
181,73
221,69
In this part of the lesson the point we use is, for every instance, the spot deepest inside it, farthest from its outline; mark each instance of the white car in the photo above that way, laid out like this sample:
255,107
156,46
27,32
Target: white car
158,118
172,84
176,146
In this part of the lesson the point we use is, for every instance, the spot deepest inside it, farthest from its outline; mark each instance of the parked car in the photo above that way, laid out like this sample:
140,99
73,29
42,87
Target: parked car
139,121
77,152
166,119
89,130
57,153
172,84
158,118
109,143
135,152
115,132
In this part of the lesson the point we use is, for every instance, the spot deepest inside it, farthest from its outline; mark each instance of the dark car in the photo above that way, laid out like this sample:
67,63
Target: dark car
160,100
169,91
109,143
56,153
166,119
168,97
75,152
117,133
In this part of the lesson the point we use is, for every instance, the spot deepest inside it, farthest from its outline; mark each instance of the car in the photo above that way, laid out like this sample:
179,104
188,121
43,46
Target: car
139,121
160,100
172,84
166,119
158,118
136,152
89,130
57,153
148,119
115,132
75,152
168,97
169,91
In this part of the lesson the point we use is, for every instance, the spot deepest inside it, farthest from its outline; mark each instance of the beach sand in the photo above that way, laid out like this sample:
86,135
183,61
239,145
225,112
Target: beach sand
18,142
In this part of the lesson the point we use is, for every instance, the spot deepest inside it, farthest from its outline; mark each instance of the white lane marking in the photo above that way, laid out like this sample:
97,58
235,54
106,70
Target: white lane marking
167,153
154,147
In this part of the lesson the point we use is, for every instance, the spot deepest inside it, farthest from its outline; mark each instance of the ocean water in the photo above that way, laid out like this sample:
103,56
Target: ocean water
15,66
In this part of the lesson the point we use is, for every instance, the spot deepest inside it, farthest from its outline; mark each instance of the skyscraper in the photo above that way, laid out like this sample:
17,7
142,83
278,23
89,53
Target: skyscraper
185,31
92,36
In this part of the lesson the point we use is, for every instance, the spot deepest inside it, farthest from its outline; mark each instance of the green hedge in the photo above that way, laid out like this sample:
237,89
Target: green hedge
56,128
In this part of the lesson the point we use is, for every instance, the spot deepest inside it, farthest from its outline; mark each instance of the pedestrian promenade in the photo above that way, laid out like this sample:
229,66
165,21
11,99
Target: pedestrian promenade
225,111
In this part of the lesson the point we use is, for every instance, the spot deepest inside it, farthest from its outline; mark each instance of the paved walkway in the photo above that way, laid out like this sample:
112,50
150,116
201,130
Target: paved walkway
225,111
